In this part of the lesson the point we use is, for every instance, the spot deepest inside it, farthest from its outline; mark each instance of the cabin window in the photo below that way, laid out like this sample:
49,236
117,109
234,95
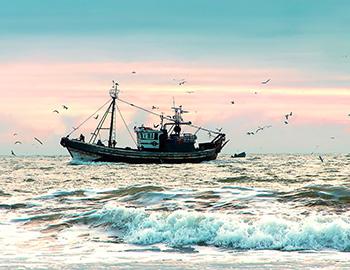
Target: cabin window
155,136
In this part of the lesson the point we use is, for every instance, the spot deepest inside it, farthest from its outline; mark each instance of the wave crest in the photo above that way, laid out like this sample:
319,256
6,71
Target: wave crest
181,228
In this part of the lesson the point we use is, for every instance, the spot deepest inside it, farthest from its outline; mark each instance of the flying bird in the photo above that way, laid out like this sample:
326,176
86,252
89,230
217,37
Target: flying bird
266,82
13,153
55,111
96,117
134,72
155,126
18,142
232,102
250,133
320,158
182,83
189,92
259,128
15,134
155,108
286,122
65,107
35,138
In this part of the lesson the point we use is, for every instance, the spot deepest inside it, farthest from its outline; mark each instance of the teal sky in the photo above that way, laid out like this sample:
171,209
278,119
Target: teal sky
304,34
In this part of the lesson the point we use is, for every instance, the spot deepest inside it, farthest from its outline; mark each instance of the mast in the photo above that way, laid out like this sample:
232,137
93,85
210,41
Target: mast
114,94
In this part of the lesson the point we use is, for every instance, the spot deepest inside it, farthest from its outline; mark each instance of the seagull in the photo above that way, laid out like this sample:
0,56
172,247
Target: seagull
250,133
260,128
15,134
134,72
286,116
96,117
232,102
155,126
18,142
155,108
286,122
35,138
266,82
13,153
55,111
320,158
115,83
182,83
65,107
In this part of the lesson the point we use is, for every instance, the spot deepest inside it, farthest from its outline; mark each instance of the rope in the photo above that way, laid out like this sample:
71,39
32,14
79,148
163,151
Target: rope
167,118
126,126
88,118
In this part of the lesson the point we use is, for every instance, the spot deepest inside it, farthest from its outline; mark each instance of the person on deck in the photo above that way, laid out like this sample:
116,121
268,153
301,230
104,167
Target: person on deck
99,142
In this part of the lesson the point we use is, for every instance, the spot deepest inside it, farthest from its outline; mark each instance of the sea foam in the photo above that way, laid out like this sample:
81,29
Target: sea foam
183,228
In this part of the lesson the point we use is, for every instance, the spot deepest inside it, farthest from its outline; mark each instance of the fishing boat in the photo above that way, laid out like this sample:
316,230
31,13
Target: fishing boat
239,155
167,144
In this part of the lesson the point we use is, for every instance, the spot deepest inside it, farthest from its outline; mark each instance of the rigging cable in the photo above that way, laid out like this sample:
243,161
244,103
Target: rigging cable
88,118
165,117
126,126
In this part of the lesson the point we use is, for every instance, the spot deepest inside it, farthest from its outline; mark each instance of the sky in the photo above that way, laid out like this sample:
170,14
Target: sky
68,52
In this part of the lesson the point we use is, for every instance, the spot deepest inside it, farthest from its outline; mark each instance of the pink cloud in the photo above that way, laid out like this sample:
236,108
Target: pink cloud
30,91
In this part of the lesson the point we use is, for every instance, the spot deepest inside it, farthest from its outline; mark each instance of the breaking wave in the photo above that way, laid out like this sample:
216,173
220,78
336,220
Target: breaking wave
183,228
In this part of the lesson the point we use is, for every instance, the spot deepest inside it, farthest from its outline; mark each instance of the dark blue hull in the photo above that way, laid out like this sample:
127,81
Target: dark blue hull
91,152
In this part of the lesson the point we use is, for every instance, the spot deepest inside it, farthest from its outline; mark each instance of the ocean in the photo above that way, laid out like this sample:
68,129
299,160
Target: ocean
261,212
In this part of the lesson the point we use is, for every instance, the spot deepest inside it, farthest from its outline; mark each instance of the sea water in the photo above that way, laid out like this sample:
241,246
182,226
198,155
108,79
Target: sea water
263,211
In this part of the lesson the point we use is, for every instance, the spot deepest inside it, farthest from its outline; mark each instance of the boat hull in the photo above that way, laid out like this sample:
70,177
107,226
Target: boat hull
82,151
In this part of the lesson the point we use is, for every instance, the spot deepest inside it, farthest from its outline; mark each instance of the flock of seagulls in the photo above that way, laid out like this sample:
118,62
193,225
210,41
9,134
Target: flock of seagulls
19,142
65,107
287,116
258,129
181,83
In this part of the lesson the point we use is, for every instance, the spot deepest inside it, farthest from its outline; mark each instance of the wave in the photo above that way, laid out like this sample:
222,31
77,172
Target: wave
183,228
320,195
